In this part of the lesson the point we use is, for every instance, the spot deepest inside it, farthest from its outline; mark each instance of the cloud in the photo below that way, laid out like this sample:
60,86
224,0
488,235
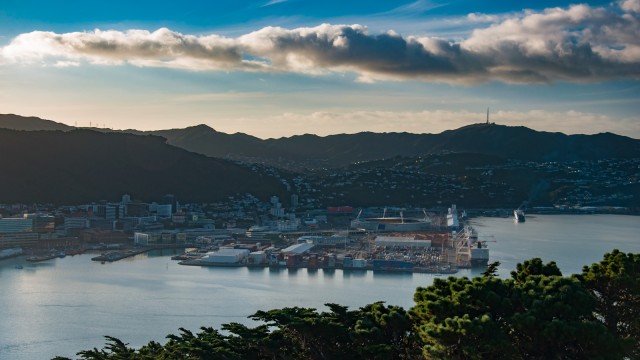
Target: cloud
161,48
578,44
630,5
273,2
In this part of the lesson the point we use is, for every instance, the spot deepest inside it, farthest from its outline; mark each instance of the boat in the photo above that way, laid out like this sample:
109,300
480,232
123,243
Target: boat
518,215
19,267
470,251
42,258
9,253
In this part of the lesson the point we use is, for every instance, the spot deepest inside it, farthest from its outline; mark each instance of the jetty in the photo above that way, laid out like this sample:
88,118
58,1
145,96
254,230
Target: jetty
120,254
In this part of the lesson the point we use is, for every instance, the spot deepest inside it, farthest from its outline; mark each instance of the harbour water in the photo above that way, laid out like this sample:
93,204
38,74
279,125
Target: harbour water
61,306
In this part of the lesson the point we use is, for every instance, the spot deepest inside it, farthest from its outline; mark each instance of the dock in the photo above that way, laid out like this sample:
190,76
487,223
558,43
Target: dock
120,254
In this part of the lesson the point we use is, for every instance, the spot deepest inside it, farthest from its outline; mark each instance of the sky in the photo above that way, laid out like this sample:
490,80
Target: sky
274,68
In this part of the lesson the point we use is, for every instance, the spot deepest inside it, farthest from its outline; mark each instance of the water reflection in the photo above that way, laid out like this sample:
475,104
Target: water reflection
151,296
354,273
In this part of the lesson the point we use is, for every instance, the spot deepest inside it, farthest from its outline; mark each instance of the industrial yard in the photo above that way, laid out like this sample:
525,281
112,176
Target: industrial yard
405,249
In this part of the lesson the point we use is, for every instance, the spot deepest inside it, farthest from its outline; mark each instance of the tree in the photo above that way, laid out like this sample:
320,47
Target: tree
538,314
615,284
492,269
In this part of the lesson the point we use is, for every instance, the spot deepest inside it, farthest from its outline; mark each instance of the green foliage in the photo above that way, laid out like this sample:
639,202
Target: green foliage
615,284
492,269
535,314
538,314
532,267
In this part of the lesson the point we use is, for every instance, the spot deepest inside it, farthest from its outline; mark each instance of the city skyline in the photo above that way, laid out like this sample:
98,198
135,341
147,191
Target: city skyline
280,68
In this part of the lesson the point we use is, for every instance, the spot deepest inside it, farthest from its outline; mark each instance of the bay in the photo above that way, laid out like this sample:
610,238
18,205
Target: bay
65,305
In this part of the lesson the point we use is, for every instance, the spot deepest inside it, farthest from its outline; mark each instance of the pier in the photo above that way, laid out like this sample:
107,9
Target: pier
120,254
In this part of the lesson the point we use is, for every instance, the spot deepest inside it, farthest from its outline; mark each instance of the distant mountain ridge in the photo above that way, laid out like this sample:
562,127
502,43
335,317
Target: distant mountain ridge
83,165
340,150
17,122
343,149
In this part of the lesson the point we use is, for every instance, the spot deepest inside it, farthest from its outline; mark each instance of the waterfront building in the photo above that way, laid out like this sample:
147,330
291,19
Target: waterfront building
298,249
165,237
42,223
226,256
18,231
97,236
257,257
16,225
27,239
141,239
75,223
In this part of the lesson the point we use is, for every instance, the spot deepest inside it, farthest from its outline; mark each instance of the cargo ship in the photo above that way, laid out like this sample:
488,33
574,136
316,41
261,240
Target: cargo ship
470,252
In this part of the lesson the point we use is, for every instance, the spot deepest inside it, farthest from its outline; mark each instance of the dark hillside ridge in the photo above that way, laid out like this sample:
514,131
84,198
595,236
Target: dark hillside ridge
518,142
339,150
17,122
83,165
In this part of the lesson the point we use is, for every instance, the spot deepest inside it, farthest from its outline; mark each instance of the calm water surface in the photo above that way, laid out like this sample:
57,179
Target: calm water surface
61,306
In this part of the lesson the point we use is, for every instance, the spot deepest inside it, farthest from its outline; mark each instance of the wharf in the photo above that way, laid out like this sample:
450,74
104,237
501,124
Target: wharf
120,254
208,263
441,269
42,258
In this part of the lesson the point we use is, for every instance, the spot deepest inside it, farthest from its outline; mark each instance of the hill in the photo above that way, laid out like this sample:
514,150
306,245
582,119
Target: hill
340,150
83,165
312,151
17,122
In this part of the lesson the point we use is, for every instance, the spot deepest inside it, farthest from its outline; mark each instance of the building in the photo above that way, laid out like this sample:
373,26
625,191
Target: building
170,199
225,256
164,210
18,231
103,237
16,225
298,249
109,212
42,223
137,209
159,238
8,240
75,223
